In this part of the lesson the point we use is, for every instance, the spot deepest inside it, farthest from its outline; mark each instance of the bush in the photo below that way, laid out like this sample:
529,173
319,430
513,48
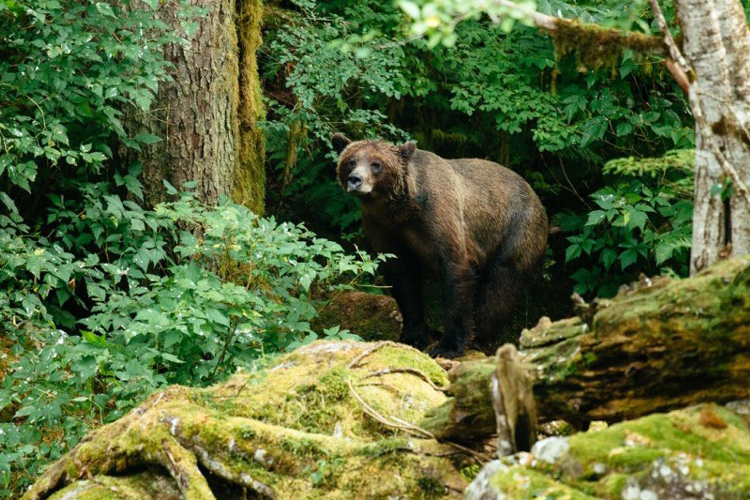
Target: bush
641,224
183,294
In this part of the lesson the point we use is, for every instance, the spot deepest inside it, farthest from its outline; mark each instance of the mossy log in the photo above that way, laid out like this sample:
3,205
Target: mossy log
661,344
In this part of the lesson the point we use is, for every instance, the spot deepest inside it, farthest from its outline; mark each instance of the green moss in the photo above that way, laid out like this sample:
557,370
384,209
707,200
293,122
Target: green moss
470,472
465,380
596,46
528,484
707,444
386,446
430,488
134,487
373,317
249,176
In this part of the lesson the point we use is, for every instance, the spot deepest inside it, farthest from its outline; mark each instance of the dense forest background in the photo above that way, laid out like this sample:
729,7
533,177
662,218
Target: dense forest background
107,294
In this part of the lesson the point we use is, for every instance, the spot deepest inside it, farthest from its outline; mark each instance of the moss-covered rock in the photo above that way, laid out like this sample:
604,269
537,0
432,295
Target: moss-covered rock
702,452
371,316
330,420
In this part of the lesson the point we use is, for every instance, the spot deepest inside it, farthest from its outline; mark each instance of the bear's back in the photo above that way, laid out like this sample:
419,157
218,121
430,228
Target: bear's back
495,203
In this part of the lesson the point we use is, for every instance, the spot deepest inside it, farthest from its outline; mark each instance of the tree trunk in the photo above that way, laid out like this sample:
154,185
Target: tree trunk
663,345
716,44
207,115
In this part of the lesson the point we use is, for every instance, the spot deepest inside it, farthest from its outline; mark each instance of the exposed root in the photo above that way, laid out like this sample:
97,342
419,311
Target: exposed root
412,371
183,467
263,438
220,469
356,361
414,430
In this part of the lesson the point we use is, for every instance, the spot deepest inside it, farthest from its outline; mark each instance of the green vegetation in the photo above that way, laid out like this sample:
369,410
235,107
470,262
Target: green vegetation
642,222
104,300
101,300
516,96
296,428
702,448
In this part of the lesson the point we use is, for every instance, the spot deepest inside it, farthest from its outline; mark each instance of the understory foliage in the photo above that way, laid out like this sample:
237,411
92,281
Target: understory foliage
479,88
101,300
641,222
154,304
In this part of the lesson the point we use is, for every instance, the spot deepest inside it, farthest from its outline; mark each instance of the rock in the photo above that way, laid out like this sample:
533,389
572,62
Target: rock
371,316
672,456
551,450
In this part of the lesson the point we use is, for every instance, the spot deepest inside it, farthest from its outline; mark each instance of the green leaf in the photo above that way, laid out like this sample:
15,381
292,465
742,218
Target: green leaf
608,257
171,357
572,252
637,219
146,138
596,217
623,129
628,258
105,9
410,8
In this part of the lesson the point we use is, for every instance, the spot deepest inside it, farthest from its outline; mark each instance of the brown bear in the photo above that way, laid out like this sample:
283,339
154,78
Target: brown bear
474,224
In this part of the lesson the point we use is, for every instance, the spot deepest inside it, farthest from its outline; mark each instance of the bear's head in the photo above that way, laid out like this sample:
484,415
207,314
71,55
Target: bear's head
372,170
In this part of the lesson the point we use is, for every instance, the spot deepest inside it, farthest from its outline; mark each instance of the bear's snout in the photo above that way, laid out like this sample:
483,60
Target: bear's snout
354,182
359,181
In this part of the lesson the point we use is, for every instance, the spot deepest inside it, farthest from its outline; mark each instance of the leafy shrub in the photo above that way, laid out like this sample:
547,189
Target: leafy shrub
183,294
101,301
67,69
641,223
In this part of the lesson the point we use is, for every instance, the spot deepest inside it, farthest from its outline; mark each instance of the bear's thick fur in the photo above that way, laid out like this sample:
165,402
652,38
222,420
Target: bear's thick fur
476,225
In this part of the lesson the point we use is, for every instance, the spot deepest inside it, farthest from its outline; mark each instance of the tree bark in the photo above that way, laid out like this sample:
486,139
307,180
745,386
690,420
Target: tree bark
207,115
716,44
662,345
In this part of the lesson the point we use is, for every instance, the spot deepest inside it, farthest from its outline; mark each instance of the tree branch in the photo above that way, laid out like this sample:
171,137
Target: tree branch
674,51
600,43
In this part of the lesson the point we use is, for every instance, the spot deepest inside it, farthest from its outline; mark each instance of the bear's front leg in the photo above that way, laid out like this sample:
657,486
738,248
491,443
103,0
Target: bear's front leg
405,279
459,281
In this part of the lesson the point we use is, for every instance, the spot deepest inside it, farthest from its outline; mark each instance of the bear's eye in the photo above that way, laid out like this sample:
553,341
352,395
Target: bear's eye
376,167
351,163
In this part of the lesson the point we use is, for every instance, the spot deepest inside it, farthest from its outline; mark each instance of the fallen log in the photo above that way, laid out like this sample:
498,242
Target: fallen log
659,345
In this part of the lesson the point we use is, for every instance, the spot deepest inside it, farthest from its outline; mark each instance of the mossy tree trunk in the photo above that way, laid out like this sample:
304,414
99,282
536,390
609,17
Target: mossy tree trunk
207,115
663,345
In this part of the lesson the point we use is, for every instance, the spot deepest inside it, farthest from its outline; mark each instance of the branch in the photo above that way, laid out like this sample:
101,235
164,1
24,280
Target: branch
674,51
595,44
677,65
678,74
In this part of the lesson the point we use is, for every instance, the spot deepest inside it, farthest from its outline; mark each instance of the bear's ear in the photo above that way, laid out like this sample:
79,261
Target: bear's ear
406,150
340,141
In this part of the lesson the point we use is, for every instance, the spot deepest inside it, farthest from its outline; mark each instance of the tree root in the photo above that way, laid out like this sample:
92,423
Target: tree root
280,434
